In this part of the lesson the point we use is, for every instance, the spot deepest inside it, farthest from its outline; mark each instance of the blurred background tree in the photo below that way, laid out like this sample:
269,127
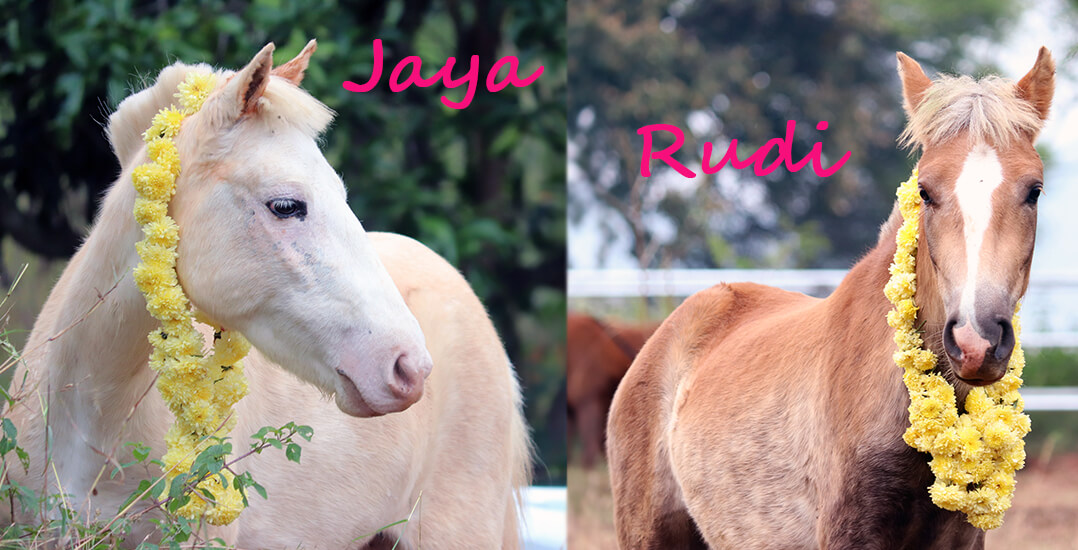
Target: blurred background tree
482,186
733,69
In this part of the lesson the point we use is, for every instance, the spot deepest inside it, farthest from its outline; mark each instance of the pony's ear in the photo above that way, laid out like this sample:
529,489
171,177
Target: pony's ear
914,82
293,70
241,94
1039,84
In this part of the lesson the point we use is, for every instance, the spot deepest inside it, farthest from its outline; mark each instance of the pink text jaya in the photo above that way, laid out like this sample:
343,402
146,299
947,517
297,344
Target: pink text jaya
412,65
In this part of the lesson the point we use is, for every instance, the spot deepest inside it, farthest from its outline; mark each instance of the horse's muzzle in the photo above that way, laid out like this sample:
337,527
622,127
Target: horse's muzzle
979,351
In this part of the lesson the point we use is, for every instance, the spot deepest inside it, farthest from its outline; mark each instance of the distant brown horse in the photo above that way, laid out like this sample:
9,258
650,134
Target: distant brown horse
599,353
760,418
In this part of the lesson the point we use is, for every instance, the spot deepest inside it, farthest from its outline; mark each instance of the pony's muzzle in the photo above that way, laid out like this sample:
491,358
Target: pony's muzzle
979,352
365,393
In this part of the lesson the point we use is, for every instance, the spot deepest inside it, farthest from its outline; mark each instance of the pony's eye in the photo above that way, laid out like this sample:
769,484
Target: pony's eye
925,197
1034,194
287,208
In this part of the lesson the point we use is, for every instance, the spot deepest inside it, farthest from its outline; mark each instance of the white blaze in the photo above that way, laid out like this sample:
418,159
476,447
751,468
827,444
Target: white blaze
981,175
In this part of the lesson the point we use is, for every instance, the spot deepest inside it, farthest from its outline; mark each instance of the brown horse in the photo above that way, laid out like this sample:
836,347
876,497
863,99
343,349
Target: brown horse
599,353
757,417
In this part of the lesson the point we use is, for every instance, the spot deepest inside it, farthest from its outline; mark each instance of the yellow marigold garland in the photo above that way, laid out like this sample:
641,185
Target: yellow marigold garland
975,454
199,389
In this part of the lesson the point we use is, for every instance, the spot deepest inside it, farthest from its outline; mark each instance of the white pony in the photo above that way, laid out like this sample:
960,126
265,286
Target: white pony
269,247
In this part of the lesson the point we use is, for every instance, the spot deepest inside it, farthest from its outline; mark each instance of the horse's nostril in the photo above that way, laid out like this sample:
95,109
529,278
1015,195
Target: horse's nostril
1005,345
407,379
949,343
401,373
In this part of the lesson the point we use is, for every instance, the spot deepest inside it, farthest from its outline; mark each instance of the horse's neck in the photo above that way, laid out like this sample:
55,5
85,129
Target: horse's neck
92,334
862,342
862,374
858,305
860,301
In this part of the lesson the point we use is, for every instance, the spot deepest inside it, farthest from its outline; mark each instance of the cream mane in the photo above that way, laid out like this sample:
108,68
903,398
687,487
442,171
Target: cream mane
281,101
989,109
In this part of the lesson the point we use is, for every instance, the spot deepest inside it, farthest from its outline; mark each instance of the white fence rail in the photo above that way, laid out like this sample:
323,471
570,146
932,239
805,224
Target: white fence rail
1049,291
618,283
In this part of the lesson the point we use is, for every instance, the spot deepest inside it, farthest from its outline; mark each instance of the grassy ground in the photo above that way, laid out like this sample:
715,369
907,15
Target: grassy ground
591,509
1044,515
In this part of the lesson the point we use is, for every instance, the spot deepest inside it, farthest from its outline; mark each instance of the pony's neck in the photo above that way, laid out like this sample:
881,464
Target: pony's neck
860,304
97,362
859,297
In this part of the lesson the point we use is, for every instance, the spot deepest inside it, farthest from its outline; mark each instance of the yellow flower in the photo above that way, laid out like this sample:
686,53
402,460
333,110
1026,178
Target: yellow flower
974,455
163,152
197,389
165,124
194,90
164,232
154,182
147,210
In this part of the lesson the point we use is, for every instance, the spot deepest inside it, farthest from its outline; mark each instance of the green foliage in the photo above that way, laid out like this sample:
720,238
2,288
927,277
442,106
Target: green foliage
1053,431
482,186
156,493
1051,367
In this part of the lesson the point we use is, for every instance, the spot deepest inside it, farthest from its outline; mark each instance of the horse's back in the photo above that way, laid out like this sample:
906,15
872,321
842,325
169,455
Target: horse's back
699,341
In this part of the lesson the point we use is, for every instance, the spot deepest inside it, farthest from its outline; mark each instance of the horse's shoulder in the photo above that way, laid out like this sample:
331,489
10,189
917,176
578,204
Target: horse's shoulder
415,268
443,302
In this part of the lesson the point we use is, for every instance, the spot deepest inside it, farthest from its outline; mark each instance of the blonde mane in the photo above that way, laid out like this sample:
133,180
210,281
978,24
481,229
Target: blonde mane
989,109
281,101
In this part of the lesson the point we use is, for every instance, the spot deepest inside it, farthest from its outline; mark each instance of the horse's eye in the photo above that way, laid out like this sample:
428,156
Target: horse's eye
1034,194
287,208
925,197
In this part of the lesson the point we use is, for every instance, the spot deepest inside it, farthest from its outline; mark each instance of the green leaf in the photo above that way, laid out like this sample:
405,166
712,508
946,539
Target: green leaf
259,489
157,489
305,432
24,458
140,451
9,429
178,502
292,452
142,486
176,488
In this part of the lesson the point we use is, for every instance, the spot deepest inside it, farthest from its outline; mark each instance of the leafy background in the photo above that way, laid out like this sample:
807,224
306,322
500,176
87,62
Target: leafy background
483,186
734,69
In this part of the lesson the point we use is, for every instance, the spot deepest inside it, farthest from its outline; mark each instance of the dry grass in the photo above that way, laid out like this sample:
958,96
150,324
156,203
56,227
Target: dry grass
591,509
1045,511
1044,515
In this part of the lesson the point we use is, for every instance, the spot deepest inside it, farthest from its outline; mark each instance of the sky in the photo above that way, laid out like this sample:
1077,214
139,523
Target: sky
1057,224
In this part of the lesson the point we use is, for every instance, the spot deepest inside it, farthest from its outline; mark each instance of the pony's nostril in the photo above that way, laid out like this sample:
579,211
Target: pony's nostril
407,379
949,343
1005,345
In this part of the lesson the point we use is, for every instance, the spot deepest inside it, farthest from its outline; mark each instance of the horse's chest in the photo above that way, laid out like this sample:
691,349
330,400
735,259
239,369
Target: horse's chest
883,502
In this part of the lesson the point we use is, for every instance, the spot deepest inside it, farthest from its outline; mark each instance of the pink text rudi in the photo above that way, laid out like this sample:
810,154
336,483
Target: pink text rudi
756,160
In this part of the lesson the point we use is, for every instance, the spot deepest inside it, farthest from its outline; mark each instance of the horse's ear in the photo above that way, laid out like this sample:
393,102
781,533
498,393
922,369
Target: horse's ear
293,70
241,94
914,82
1039,84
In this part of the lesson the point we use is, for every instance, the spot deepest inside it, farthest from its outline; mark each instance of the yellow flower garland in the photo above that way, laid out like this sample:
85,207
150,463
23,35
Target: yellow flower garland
199,390
975,454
